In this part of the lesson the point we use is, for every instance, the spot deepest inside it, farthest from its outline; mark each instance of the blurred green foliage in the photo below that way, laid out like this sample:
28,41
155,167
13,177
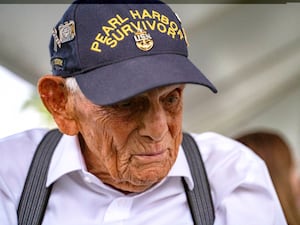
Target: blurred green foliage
34,102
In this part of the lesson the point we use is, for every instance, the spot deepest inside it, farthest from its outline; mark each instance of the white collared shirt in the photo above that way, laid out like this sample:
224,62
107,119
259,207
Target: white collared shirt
241,188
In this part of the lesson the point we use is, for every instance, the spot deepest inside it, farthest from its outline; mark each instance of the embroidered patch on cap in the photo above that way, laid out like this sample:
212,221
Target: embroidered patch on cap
58,63
66,32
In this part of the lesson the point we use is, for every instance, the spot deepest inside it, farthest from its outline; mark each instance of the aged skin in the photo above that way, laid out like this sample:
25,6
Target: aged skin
130,145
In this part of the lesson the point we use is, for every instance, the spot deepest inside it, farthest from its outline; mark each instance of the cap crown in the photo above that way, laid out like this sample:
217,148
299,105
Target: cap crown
90,36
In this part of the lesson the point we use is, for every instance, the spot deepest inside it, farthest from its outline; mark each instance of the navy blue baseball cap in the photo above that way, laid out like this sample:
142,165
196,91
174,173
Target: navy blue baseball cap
116,51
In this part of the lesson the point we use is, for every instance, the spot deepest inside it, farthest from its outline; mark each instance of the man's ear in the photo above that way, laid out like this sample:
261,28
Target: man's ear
55,96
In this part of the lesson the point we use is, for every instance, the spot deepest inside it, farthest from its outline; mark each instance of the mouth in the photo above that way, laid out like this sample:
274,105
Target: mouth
152,156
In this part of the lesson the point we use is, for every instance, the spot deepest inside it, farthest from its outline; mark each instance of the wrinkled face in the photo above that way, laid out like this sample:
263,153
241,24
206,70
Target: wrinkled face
133,144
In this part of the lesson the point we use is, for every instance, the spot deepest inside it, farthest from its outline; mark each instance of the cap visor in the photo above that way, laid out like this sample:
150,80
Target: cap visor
119,81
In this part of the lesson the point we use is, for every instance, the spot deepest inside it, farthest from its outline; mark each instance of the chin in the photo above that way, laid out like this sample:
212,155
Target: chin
151,176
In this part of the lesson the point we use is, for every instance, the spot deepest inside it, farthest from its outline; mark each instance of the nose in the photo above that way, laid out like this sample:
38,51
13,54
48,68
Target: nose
154,124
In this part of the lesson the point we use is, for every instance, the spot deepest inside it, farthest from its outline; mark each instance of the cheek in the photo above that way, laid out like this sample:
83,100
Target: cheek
175,127
115,144
175,123
92,125
120,131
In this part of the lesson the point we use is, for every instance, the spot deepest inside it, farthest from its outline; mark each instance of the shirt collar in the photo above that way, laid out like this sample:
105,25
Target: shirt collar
181,169
67,157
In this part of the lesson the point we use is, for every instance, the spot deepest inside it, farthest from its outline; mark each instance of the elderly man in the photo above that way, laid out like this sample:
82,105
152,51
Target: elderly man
116,94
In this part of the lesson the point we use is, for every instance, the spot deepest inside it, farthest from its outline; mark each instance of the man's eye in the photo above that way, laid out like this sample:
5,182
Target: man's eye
172,99
125,104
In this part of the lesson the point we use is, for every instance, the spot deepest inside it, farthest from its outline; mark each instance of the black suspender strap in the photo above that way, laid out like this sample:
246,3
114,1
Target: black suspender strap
199,199
35,195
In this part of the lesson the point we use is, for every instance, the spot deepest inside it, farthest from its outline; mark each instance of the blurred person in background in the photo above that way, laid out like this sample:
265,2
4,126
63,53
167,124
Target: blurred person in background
273,148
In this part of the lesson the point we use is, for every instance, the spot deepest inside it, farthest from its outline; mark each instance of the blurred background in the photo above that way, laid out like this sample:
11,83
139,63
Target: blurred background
251,52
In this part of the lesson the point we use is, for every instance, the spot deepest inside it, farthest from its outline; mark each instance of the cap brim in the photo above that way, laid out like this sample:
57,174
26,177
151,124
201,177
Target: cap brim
119,81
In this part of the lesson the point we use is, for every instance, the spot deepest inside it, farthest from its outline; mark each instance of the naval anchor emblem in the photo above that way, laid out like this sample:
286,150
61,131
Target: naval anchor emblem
143,40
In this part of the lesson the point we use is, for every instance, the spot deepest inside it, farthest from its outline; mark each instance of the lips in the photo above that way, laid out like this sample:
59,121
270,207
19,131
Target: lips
151,156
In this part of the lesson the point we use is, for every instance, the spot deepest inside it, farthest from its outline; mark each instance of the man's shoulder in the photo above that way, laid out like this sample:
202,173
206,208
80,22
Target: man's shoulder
16,153
228,163
211,141
18,149
235,172
218,149
20,141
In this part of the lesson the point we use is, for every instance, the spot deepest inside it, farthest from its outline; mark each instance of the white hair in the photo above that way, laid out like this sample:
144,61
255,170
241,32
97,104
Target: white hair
72,85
